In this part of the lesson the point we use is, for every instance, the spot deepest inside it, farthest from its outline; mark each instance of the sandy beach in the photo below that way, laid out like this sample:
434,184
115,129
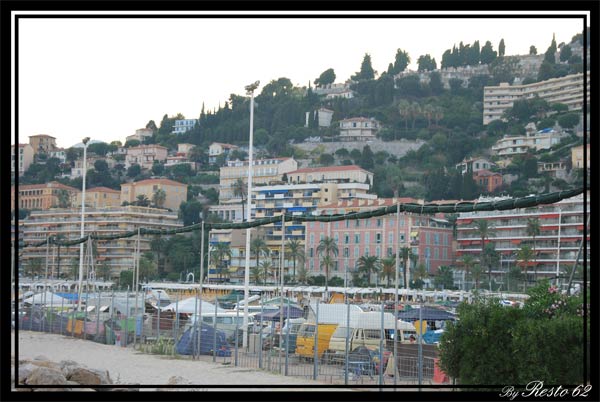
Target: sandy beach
127,366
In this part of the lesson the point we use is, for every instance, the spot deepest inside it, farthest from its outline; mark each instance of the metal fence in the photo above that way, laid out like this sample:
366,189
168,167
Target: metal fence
331,343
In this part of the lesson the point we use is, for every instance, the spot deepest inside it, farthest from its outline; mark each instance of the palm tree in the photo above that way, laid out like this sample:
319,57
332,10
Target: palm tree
142,200
269,270
405,252
64,198
327,263
484,229
239,190
327,247
256,273
477,271
159,197
367,265
438,114
525,254
296,252
258,247
420,274
428,111
415,111
533,230
159,245
148,267
388,268
468,262
222,254
404,110
302,275
58,239
35,267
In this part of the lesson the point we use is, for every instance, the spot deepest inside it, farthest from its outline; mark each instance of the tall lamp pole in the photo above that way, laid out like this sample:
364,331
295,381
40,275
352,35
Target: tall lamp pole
249,91
79,288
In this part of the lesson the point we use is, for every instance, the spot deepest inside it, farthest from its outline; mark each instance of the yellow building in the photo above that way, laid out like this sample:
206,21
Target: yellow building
264,171
100,197
175,192
43,196
24,158
42,143
577,157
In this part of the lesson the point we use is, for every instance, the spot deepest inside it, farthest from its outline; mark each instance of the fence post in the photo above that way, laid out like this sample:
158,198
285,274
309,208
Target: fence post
420,346
381,338
51,326
176,321
237,330
196,342
287,337
347,340
215,333
126,317
316,346
73,320
158,319
262,310
87,294
98,315
112,316
62,307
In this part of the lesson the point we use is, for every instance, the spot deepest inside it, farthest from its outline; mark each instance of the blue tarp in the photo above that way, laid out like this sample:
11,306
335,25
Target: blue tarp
294,312
427,313
187,344
68,296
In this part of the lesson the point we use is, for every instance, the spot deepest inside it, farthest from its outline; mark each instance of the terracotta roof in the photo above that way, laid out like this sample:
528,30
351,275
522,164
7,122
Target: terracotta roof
329,169
52,184
155,181
148,146
102,189
370,204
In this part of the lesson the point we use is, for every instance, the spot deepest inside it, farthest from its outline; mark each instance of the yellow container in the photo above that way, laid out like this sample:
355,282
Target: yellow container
305,342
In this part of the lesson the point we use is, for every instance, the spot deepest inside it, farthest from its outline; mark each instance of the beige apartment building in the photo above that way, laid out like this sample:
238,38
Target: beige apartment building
577,159
358,129
42,143
175,192
43,196
140,135
145,155
264,171
116,254
567,90
338,174
100,197
24,158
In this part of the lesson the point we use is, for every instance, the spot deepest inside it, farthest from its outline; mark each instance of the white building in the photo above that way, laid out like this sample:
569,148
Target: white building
25,158
521,144
182,126
475,164
358,128
567,90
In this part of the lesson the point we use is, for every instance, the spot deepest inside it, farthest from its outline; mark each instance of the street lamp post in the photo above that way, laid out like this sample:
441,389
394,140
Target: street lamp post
85,142
249,91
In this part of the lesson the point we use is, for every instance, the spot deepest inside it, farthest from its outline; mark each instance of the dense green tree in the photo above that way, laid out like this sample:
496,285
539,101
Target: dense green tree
134,170
221,254
568,120
189,212
148,268
366,159
157,168
126,279
565,53
533,230
444,278
549,56
435,83
524,256
401,61
366,70
159,197
327,77
426,63
501,48
142,201
326,159
132,143
258,247
101,166
368,265
488,54
532,50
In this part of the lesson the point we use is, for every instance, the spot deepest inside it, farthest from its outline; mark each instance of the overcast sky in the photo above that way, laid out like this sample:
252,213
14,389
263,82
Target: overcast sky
105,78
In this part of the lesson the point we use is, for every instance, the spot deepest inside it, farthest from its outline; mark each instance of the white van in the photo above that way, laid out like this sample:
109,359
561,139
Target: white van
365,330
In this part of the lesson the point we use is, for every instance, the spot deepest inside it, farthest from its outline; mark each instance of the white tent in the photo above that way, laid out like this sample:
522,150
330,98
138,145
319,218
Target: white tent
47,298
190,306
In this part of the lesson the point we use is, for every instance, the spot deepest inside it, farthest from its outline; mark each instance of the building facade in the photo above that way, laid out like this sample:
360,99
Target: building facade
474,164
264,171
577,159
217,149
429,238
145,155
42,143
100,197
561,233
358,129
337,174
117,255
23,158
176,192
567,90
140,135
184,125
43,196
488,181
509,146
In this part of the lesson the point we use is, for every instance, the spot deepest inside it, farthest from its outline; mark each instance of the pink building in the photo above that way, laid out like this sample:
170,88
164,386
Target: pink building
145,155
429,237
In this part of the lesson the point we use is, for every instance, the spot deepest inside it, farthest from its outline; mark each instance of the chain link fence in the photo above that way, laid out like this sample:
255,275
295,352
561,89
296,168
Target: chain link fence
331,343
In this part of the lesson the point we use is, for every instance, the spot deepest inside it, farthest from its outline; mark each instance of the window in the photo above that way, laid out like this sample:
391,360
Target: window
310,252
321,236
312,238
378,238
356,252
436,238
379,222
356,238
390,237
367,238
367,251
378,251
389,252
336,237
346,252
427,238
357,224
346,238
372,333
436,253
